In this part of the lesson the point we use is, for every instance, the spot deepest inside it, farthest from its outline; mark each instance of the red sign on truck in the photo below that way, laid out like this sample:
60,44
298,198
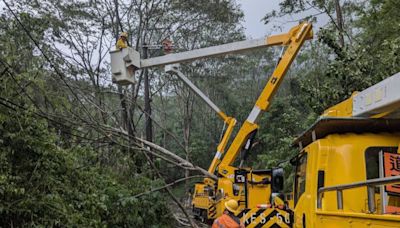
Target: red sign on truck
392,168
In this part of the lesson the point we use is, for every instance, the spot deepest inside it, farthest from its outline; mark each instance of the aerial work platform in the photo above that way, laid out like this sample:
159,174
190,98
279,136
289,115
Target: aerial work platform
125,61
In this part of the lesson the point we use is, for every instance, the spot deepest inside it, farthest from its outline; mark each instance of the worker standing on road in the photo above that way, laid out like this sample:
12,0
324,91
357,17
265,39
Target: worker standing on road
228,218
122,41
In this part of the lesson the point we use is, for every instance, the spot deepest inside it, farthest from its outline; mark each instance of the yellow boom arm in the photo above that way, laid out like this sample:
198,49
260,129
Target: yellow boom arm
124,62
230,121
293,40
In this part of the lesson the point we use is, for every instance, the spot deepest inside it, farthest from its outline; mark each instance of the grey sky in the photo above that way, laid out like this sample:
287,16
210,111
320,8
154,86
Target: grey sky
255,10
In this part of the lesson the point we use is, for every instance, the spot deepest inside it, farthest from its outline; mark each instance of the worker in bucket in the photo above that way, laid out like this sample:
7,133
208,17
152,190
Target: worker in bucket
228,218
167,46
122,41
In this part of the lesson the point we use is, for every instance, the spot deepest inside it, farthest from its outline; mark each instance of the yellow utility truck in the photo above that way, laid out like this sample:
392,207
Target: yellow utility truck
253,189
347,171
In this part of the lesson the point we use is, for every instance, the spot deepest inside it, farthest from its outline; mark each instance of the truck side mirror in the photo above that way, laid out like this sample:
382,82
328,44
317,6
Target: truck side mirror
277,180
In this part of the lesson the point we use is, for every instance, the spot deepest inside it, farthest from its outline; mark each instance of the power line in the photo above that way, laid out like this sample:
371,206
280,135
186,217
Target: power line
57,71
48,60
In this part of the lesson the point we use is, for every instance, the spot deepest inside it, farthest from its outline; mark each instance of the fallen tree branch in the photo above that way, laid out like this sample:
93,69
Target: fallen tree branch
192,223
181,160
166,186
141,142
146,150
164,151
180,220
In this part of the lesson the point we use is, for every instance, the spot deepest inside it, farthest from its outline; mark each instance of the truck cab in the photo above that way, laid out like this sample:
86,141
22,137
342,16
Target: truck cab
338,151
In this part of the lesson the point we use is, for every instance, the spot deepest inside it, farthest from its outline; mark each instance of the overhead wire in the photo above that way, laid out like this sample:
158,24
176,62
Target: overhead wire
12,73
57,71
14,106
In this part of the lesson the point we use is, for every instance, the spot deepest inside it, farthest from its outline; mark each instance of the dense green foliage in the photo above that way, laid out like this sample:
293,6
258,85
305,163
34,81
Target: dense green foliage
326,73
44,185
50,175
63,161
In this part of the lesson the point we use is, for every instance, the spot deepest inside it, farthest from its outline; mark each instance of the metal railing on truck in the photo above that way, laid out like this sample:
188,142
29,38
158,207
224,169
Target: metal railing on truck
370,184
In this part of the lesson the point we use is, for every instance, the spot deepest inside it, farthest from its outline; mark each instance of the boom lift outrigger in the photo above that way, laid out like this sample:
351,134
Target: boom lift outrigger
250,188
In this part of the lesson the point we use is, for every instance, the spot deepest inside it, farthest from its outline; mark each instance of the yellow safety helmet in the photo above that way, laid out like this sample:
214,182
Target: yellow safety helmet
278,201
124,34
231,205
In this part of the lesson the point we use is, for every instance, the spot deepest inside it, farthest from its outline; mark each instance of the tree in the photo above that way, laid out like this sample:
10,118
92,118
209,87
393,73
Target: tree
61,70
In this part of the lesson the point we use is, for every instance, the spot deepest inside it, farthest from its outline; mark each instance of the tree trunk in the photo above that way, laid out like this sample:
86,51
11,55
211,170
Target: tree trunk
122,100
147,100
126,115
187,122
340,24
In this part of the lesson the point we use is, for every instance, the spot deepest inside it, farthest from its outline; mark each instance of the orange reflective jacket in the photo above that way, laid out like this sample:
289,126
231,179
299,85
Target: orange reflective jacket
225,221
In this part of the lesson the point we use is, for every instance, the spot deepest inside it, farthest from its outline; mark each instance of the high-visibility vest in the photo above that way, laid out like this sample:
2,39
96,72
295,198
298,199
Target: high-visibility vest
225,221
121,44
